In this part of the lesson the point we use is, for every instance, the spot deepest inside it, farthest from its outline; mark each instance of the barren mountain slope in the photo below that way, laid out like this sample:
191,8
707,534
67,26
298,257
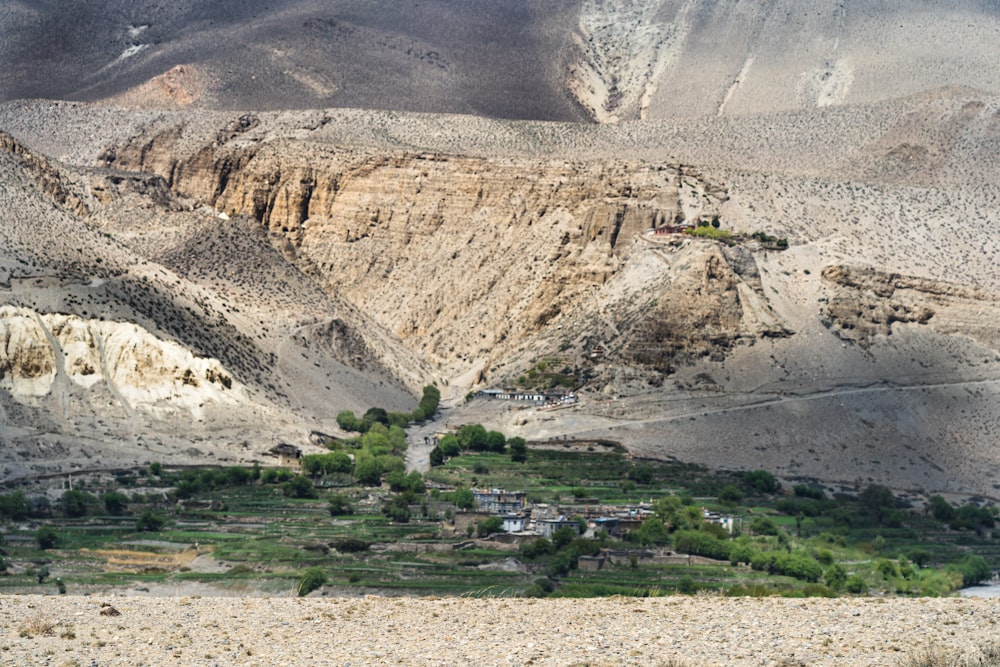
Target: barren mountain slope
480,247
572,60
111,359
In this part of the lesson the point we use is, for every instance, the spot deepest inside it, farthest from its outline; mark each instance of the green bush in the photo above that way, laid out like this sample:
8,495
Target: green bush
518,450
298,487
340,505
115,502
46,537
13,506
835,576
760,481
855,584
351,545
312,579
730,495
150,522
701,544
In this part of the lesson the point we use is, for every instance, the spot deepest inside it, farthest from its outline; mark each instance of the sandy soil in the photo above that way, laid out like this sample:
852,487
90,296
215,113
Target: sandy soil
73,630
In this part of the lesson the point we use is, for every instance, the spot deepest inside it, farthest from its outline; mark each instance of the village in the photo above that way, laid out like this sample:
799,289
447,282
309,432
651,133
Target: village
523,522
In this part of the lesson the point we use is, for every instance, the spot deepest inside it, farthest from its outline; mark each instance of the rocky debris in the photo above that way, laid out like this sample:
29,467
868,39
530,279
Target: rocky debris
108,610
866,303
424,632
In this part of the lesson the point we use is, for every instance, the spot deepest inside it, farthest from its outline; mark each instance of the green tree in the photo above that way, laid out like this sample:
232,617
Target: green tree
115,502
374,416
368,471
14,506
653,531
877,502
496,442
348,421
730,495
75,503
941,509
397,509
641,474
450,446
472,436
563,536
340,505
46,537
299,487
150,521
974,569
701,544
518,450
429,402
311,579
156,468
835,577
489,526
436,457
462,498
761,481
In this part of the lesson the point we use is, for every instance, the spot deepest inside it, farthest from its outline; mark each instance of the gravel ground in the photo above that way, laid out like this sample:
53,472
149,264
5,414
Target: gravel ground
688,631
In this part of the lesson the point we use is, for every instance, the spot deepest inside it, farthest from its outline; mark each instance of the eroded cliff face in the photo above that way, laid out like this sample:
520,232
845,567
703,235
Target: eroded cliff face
463,259
866,303
47,354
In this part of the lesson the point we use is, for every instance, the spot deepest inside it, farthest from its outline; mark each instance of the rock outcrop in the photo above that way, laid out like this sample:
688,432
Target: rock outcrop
41,353
401,235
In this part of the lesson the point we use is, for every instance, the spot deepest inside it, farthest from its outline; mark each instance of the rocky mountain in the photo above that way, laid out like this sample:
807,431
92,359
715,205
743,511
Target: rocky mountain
181,271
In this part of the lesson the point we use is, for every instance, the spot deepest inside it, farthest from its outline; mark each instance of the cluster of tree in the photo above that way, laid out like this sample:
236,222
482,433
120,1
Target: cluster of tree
965,517
767,239
193,482
559,555
475,437
427,408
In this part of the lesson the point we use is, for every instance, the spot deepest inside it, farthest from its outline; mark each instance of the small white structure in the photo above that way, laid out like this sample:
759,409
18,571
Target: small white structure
514,523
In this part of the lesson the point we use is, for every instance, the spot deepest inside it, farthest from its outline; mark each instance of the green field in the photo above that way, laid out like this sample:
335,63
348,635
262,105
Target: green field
233,531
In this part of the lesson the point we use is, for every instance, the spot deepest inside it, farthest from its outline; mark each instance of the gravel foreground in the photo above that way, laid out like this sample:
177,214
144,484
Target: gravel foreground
689,631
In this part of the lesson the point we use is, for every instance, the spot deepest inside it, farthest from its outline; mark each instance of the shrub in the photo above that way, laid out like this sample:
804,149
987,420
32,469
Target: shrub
886,568
730,495
298,487
855,584
835,576
489,526
47,537
115,502
762,525
340,505
701,544
761,481
76,503
518,450
350,545
974,569
149,521
803,491
312,579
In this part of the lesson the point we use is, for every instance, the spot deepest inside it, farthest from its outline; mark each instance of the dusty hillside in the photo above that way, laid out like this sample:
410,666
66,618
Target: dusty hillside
466,250
134,329
568,60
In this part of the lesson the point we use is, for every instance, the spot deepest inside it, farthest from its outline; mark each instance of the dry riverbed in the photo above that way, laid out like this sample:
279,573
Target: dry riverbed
82,630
